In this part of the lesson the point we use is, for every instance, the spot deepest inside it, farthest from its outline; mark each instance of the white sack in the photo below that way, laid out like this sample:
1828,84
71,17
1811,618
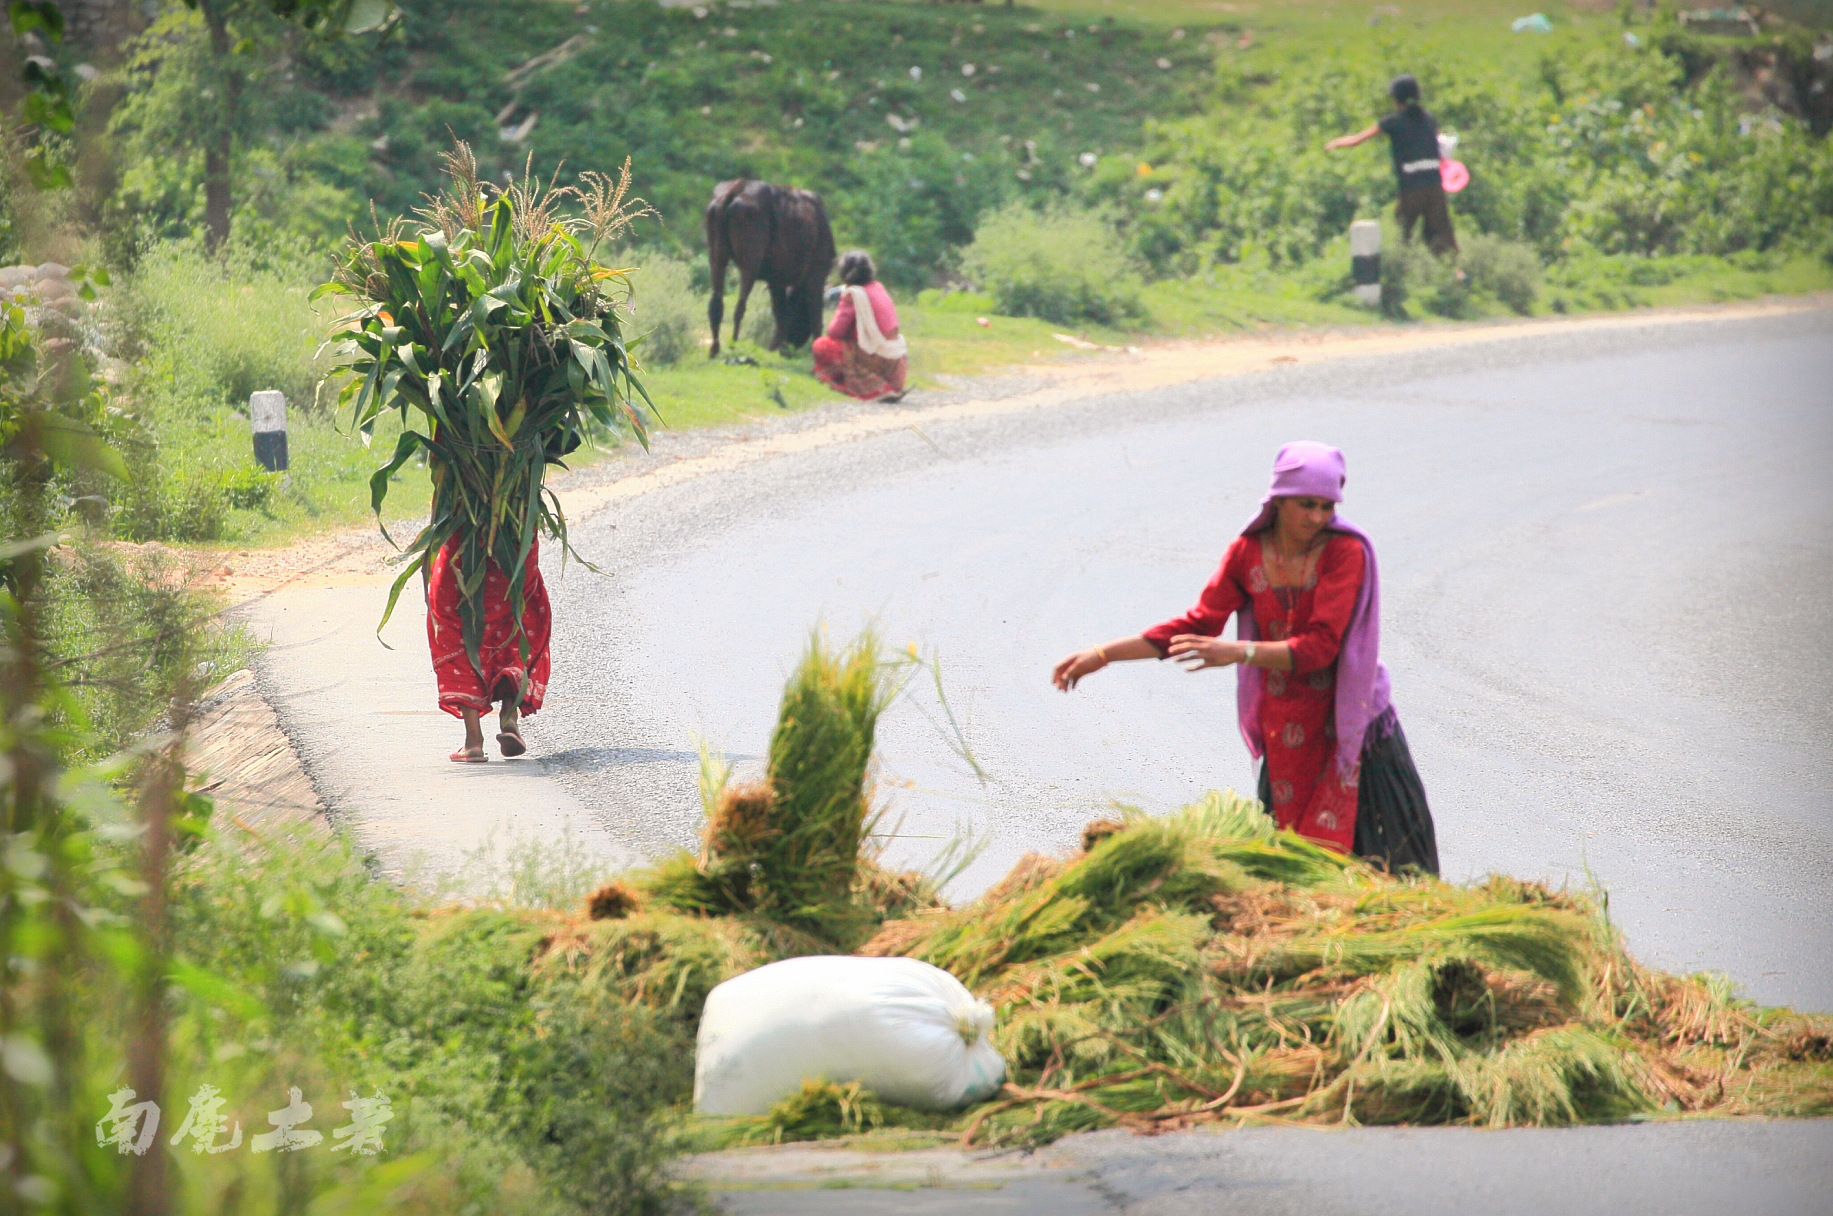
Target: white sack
908,1032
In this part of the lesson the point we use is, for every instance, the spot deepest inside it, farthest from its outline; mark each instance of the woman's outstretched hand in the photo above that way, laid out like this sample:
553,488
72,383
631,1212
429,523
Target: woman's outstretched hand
1196,652
1077,665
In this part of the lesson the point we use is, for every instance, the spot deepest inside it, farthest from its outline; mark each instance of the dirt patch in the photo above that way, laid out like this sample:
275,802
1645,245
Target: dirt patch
249,765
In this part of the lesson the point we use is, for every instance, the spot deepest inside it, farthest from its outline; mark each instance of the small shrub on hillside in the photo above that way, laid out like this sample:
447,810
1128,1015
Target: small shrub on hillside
205,332
1495,271
669,313
1507,270
1063,265
1408,269
916,203
174,505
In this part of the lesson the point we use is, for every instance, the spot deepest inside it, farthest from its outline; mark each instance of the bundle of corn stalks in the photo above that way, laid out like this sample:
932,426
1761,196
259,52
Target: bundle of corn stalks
493,322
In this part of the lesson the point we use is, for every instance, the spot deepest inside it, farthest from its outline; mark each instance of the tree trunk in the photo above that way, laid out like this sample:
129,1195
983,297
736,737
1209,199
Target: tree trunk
221,138
150,1191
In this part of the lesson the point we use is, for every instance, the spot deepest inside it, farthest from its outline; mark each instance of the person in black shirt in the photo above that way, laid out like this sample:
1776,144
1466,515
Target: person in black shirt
1413,135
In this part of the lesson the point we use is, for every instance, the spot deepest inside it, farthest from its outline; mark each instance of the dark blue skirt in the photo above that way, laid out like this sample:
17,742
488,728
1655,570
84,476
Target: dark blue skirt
1393,822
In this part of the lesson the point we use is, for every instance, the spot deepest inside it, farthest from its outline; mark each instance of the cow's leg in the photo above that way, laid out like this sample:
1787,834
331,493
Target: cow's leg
745,282
780,304
715,313
716,303
812,303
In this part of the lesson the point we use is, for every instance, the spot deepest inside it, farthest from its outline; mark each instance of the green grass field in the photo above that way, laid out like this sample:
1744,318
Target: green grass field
874,103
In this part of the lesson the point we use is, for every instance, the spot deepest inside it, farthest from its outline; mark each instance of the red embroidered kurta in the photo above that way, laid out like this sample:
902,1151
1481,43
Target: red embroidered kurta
1298,714
462,686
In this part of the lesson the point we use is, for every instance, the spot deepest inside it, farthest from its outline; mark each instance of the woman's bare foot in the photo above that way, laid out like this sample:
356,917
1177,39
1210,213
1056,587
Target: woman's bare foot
473,750
510,737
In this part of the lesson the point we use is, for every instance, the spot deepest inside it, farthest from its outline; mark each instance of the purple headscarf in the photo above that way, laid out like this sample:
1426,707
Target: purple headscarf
1307,469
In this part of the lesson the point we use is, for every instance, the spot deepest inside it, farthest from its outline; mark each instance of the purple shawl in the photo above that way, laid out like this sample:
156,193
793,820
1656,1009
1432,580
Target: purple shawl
1306,469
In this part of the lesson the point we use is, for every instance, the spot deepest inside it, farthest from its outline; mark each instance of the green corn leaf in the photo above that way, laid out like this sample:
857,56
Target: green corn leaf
74,445
394,592
506,347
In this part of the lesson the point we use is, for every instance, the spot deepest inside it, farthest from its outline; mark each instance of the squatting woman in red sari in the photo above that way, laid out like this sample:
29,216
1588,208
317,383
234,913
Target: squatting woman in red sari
1312,693
862,354
512,665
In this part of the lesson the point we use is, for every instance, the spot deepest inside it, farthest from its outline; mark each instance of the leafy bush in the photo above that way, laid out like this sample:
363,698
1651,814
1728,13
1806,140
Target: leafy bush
183,504
1605,146
205,332
668,313
1063,265
916,201
1507,270
1412,273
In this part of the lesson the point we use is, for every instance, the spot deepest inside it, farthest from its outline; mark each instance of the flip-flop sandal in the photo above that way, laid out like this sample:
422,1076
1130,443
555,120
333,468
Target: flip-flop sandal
511,743
461,756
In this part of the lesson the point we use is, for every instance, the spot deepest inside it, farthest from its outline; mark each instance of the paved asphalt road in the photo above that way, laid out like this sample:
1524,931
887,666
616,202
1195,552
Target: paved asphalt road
1607,584
1708,1169
1607,579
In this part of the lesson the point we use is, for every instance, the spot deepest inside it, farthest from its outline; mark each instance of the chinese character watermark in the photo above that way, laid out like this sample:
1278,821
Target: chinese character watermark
132,1126
287,1119
123,1119
205,1121
363,1134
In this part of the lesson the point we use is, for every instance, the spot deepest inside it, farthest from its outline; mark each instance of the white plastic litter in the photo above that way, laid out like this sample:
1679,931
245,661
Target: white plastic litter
908,1032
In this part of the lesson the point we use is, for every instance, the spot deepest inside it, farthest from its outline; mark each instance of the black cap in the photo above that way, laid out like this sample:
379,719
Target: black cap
1404,89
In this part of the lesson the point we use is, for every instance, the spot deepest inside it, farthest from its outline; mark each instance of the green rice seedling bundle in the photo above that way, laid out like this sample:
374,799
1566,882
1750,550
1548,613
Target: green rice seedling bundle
1203,967
494,331
788,850
1189,968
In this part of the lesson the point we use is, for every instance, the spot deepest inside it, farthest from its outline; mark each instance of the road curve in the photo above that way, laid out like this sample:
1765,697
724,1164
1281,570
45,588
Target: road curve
1607,579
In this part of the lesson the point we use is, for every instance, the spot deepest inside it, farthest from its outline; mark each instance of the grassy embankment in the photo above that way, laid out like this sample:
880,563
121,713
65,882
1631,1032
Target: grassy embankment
805,92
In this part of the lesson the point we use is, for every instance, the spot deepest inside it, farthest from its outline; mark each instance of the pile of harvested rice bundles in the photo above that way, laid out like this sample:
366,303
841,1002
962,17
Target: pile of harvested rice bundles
1199,967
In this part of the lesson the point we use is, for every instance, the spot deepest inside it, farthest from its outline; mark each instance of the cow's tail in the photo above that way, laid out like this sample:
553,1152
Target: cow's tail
719,252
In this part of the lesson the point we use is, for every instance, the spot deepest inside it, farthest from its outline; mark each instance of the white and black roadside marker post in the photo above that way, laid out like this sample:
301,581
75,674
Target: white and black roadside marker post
267,410
1365,261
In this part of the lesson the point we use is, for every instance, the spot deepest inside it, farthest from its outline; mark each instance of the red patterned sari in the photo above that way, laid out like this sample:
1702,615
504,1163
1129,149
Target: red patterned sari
1297,716
841,361
463,686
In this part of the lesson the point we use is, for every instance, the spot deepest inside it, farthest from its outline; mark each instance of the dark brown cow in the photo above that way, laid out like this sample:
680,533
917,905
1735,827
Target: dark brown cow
776,234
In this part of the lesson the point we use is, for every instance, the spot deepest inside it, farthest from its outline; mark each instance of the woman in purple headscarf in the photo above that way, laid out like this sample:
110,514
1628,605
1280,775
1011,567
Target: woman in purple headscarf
1311,690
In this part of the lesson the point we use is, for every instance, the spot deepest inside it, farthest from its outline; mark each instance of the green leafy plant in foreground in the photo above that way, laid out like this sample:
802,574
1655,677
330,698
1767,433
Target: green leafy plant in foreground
496,326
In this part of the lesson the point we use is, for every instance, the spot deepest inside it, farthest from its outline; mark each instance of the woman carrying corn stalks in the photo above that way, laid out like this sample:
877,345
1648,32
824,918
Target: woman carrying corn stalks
492,329
1312,693
862,353
512,666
